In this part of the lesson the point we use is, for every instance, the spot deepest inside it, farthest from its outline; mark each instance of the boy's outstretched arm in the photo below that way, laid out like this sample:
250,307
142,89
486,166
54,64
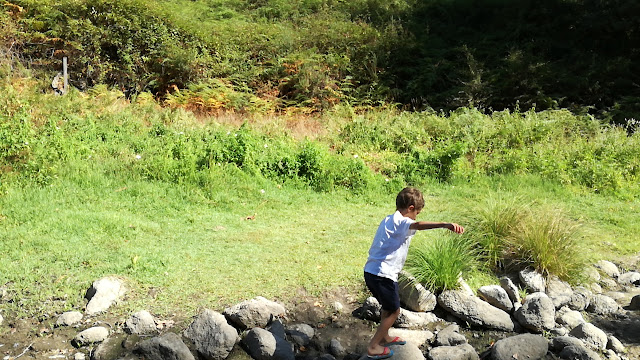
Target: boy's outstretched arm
427,225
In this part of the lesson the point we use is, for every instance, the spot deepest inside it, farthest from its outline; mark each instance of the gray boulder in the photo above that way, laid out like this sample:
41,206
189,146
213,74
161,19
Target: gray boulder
560,342
512,290
371,309
629,278
166,347
301,334
212,337
578,353
590,335
569,318
140,323
103,293
69,318
602,305
608,268
413,295
580,299
336,348
537,313
91,335
496,296
263,345
450,336
614,344
533,280
277,329
416,337
475,311
258,312
524,346
459,352
559,291
410,319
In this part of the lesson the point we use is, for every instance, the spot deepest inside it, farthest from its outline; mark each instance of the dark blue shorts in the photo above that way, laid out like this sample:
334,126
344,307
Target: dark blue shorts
384,290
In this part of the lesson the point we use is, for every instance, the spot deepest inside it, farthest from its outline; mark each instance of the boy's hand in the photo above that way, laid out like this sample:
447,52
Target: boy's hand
455,228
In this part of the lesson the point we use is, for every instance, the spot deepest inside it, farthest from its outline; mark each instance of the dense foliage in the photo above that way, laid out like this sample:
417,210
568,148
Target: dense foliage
252,55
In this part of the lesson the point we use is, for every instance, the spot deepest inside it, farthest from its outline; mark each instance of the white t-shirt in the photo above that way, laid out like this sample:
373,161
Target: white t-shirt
390,246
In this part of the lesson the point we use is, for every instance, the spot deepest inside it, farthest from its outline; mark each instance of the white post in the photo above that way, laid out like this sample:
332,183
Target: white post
64,72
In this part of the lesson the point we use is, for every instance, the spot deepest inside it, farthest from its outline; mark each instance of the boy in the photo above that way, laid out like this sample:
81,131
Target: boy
387,255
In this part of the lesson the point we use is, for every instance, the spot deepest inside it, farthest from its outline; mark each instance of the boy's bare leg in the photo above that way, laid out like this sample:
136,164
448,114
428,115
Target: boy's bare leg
387,319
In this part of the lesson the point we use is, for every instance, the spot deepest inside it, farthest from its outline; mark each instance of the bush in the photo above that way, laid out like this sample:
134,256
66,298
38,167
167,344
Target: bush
439,264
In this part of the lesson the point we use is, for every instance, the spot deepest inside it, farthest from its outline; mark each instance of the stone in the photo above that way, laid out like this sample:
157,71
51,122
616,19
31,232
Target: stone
110,348
560,342
611,355
212,336
512,290
79,356
559,331
614,344
459,352
524,346
591,274
103,293
403,352
532,280
413,295
450,336
69,318
300,334
337,307
609,283
336,348
415,337
166,347
276,327
602,305
559,291
537,313
91,335
580,299
578,353
140,323
464,287
629,278
410,319
569,318
635,303
591,335
371,309
496,296
257,312
263,345
475,311
609,268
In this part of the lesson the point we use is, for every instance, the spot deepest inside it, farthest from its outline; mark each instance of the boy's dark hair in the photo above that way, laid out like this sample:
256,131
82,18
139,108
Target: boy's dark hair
409,196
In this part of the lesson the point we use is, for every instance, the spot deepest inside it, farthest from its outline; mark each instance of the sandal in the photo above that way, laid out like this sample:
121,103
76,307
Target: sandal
387,353
396,341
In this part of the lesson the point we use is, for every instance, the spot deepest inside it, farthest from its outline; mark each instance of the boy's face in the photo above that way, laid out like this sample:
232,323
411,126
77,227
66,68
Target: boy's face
412,212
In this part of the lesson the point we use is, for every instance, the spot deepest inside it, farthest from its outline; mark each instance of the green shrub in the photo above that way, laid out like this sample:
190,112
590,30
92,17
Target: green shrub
439,263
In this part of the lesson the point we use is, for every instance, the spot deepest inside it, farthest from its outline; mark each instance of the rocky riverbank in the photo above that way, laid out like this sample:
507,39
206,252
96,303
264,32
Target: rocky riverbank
526,316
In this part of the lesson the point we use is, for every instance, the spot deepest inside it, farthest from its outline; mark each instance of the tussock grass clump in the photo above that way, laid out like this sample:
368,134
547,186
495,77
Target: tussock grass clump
438,264
548,242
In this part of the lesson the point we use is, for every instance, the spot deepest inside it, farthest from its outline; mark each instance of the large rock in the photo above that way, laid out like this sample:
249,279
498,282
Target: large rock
560,342
537,313
211,335
512,290
602,305
569,318
140,323
103,293
578,353
459,352
559,291
300,334
263,345
608,268
580,299
258,312
415,337
92,335
533,280
166,347
475,311
590,335
524,346
410,319
496,296
69,318
413,295
629,278
616,345
450,336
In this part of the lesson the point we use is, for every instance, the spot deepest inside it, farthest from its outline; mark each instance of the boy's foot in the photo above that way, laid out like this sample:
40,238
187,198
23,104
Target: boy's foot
387,353
396,341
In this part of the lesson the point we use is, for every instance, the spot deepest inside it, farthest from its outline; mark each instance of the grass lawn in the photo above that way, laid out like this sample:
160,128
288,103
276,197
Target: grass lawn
181,248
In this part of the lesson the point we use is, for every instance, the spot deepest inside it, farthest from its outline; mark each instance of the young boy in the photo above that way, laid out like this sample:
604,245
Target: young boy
387,255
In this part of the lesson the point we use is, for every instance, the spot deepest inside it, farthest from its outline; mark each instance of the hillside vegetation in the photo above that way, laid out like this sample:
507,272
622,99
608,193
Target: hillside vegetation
270,55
